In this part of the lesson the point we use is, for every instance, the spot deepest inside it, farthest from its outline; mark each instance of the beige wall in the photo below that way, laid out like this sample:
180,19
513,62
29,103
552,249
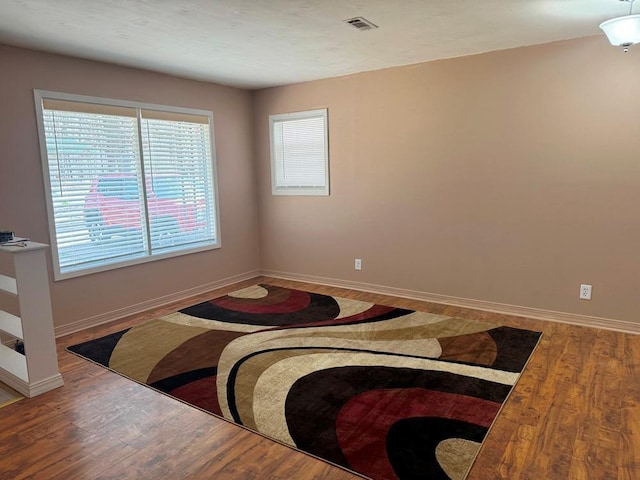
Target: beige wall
508,177
22,201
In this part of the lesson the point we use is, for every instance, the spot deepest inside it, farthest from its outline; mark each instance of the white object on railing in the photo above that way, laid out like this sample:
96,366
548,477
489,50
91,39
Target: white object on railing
36,371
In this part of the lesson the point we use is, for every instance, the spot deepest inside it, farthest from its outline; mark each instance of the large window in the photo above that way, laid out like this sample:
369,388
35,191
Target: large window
126,182
299,153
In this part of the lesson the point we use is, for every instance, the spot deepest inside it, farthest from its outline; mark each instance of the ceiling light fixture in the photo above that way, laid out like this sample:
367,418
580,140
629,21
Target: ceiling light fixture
623,31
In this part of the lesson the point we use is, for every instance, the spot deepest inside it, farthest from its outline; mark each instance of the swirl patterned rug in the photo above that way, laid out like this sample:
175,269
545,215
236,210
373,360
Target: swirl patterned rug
385,392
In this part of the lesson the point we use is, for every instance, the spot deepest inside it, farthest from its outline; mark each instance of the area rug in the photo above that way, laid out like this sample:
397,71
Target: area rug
8,395
385,392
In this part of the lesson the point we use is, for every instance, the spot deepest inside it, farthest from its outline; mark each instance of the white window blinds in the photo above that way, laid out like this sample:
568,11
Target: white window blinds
299,153
126,182
177,164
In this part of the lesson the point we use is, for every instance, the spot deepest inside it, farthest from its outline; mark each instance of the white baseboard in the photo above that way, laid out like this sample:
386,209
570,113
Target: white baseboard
30,389
107,317
529,312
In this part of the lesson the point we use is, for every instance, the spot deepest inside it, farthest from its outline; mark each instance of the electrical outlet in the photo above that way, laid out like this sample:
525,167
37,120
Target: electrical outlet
585,292
358,264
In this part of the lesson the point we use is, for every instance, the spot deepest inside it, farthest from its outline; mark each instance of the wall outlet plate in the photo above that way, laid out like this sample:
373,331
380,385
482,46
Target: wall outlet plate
358,264
585,291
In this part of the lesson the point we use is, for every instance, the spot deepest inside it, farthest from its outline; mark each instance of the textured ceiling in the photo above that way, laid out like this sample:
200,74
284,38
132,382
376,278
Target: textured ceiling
254,44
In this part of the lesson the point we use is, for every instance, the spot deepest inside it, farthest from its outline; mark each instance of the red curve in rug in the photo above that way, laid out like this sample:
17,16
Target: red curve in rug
364,421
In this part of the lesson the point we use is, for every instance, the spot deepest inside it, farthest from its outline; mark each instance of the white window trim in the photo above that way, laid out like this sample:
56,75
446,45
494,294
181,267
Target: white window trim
39,95
282,190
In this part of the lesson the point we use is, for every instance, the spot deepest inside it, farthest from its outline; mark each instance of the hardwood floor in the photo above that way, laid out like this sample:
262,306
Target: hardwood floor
574,414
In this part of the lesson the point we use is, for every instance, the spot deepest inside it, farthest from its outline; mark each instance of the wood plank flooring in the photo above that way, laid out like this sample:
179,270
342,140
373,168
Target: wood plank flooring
574,414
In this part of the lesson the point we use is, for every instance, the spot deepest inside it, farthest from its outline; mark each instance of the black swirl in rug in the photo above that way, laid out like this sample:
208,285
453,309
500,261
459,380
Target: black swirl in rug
386,392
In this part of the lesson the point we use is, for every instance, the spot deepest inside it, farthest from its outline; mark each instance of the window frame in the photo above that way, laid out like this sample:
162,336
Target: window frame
300,190
39,96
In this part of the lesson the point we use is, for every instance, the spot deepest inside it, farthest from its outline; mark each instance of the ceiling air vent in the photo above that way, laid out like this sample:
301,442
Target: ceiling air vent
361,23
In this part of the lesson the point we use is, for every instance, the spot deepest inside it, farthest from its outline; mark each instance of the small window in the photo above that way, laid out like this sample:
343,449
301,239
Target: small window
126,182
299,153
